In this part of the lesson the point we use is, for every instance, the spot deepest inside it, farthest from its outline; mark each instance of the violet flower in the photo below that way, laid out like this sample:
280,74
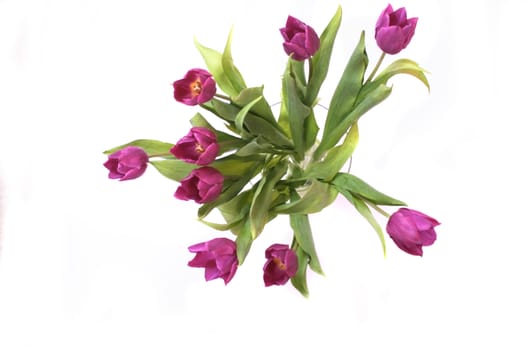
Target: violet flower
300,40
127,163
202,185
411,230
281,265
195,88
218,257
199,146
393,30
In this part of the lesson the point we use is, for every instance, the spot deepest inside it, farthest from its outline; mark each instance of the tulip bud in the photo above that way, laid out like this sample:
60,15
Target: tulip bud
199,146
281,265
300,40
411,230
196,87
127,163
202,185
218,257
393,30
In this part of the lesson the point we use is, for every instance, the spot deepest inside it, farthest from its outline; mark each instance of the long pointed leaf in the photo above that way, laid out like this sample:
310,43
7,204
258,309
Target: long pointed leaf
321,60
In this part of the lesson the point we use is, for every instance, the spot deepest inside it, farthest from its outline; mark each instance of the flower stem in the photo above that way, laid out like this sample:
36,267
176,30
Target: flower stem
379,210
224,97
159,155
376,67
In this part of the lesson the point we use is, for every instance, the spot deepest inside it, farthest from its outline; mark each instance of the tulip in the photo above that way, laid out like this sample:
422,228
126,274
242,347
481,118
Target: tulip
280,266
300,40
411,230
196,87
218,257
199,146
202,185
127,163
393,30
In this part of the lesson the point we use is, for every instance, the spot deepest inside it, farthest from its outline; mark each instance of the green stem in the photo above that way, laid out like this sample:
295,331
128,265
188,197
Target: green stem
224,97
310,69
376,68
160,155
379,210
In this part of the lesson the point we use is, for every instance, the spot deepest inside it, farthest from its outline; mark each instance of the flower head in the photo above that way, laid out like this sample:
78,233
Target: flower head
393,30
280,266
218,257
127,163
300,40
202,185
411,230
195,88
199,146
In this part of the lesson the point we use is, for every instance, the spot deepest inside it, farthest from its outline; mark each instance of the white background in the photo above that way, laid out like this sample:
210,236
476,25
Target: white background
89,263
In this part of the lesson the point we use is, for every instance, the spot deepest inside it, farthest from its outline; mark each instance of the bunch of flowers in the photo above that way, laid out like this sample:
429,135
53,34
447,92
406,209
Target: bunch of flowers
259,166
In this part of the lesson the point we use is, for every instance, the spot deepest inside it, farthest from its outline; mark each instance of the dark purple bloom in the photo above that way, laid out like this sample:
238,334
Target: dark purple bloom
218,257
300,40
127,163
199,146
280,266
411,230
393,30
202,185
196,87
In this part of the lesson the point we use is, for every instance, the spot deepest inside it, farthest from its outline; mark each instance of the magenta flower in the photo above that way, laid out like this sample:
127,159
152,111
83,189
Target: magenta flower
127,163
280,266
197,87
199,146
202,185
300,40
411,230
393,30
218,257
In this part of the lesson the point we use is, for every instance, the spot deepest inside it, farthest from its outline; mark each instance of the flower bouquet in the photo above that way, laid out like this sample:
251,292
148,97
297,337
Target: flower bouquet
250,165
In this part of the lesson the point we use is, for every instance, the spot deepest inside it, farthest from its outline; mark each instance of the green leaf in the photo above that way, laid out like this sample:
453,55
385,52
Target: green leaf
363,209
239,119
233,74
321,60
299,280
319,195
345,95
213,60
262,109
297,113
304,237
151,147
257,126
335,157
402,66
228,192
263,197
371,99
361,189
235,166
173,169
244,241
237,209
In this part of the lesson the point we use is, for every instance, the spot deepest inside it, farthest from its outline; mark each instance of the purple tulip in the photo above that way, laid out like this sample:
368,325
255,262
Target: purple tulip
218,257
127,163
202,185
393,30
300,40
199,146
196,87
280,266
411,230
